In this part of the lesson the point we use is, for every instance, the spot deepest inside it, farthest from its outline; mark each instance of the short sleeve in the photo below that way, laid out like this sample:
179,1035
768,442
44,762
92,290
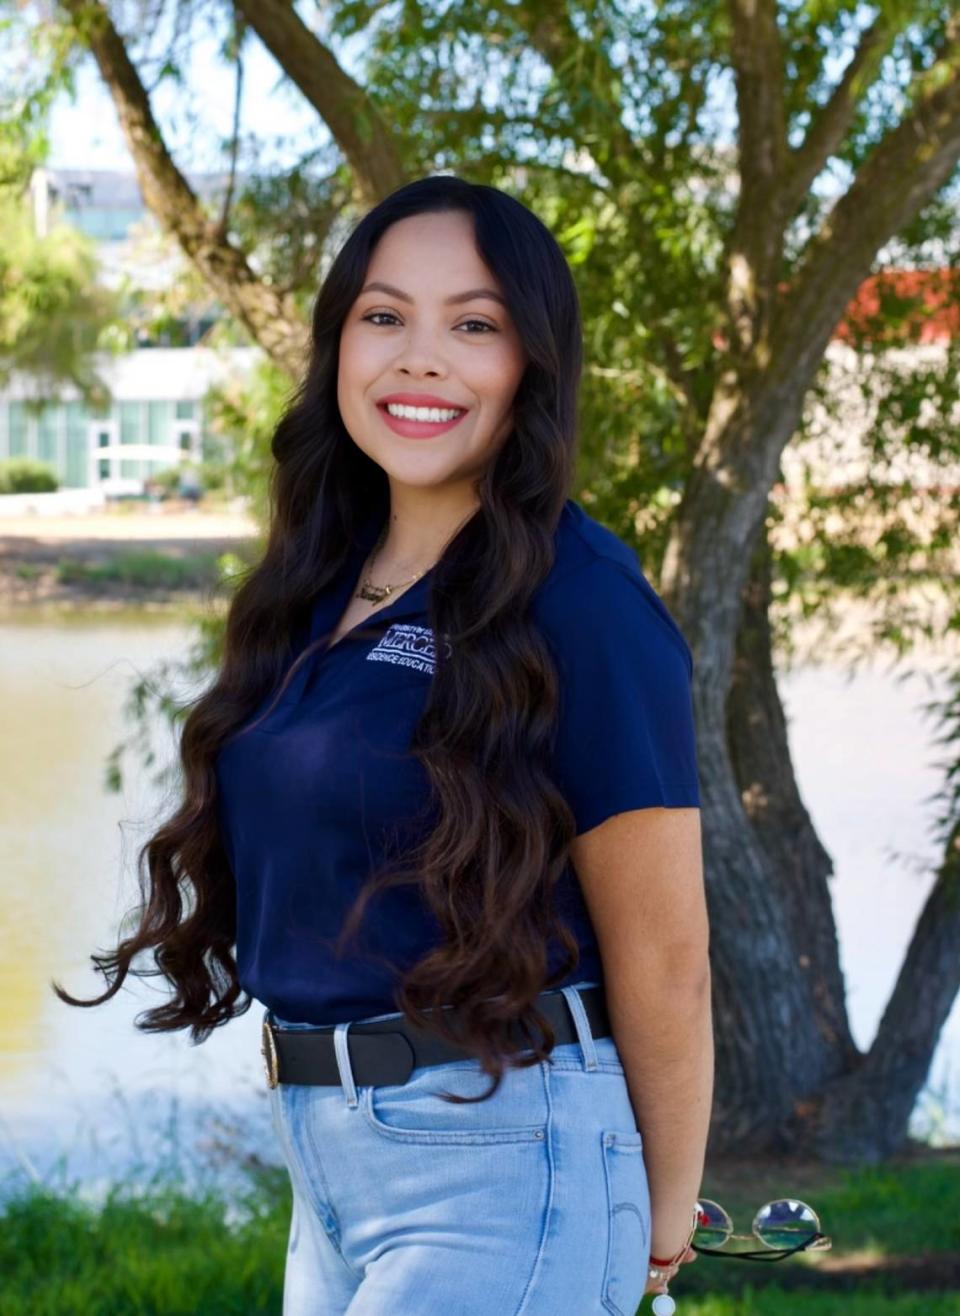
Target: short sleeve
625,735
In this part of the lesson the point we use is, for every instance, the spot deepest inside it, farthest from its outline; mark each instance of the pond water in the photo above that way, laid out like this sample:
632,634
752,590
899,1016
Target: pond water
86,1098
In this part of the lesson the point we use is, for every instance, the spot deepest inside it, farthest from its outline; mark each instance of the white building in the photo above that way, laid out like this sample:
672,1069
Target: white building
155,417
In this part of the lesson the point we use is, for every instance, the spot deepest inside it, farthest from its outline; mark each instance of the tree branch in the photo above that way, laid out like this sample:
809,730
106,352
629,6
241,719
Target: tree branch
368,142
237,50
758,65
831,121
756,244
905,171
272,319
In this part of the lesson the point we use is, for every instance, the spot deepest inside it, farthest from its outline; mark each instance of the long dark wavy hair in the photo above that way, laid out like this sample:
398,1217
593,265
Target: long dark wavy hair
489,865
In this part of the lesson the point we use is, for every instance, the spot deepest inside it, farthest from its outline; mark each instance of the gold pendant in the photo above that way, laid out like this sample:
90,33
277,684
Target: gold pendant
374,593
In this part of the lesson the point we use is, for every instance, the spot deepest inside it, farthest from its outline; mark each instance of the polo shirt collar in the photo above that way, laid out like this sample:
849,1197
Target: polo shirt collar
332,601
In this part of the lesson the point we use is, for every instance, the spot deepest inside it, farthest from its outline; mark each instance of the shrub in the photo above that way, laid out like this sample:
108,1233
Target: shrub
24,475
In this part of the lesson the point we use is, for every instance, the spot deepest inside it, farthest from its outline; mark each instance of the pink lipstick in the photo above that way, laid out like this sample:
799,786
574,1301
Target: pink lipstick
411,428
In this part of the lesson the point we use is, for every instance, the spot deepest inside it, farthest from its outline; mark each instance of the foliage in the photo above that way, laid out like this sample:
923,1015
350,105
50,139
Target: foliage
153,1253
147,569
162,696
37,60
244,413
53,315
166,480
285,219
24,475
212,476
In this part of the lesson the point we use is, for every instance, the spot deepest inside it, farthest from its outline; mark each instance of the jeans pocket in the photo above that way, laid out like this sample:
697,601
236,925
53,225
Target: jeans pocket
415,1112
628,1212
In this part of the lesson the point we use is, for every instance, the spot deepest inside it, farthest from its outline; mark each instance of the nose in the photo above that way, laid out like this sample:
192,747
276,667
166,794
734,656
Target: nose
420,355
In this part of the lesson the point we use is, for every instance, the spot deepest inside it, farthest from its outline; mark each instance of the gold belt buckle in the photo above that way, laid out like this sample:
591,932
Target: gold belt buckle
268,1049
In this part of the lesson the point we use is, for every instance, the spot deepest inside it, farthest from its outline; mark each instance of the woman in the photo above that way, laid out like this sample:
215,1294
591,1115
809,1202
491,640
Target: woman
441,809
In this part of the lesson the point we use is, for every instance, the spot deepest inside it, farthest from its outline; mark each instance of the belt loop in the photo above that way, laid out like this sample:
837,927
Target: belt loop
342,1052
588,1048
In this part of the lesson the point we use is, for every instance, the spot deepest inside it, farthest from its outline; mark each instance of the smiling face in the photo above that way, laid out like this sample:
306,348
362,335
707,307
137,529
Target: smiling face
417,339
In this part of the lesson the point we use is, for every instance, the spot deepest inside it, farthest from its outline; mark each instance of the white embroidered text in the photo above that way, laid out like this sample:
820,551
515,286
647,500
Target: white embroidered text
407,645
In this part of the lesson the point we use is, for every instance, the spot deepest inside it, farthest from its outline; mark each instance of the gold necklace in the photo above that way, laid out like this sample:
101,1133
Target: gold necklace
377,593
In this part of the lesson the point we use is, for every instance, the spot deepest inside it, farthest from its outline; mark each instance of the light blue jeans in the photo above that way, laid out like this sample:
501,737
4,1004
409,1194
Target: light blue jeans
532,1203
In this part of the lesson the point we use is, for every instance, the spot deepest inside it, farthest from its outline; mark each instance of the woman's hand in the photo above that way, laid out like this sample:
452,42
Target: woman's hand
660,1285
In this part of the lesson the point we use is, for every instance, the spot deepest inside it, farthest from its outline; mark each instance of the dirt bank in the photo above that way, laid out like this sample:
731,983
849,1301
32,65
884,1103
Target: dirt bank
160,556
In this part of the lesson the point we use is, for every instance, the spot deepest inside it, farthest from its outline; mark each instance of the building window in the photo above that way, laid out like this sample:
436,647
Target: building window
18,429
159,420
48,439
76,469
131,427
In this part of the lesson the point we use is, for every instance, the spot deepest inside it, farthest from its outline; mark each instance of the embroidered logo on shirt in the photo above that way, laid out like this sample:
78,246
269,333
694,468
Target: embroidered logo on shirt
407,645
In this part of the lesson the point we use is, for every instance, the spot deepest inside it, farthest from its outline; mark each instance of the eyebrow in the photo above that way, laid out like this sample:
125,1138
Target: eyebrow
456,298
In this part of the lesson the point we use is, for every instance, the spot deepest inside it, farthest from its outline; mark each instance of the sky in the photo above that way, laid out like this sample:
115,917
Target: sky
85,134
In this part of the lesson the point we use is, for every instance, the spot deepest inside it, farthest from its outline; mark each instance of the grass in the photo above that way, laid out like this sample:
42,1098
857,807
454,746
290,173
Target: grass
896,1242
161,1251
146,568
777,1302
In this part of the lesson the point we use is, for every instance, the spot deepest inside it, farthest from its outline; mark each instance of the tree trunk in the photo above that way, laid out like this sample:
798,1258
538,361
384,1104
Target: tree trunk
864,1114
789,1074
798,863
855,1107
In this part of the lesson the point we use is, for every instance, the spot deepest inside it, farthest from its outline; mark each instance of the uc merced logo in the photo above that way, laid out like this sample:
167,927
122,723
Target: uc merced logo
407,645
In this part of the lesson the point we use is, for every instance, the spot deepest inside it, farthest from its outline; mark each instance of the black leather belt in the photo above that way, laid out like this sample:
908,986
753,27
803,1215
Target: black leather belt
388,1050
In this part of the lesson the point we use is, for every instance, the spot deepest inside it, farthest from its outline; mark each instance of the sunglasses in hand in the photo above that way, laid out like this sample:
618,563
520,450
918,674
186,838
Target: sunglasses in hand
783,1227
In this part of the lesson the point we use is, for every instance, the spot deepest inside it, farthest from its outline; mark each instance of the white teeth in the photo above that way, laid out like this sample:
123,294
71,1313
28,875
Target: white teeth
420,413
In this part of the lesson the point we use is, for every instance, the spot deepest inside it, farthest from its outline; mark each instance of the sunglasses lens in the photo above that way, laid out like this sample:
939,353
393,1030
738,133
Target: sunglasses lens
785,1223
714,1226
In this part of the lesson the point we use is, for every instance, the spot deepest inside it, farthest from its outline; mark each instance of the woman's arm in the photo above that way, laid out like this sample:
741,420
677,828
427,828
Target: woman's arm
641,874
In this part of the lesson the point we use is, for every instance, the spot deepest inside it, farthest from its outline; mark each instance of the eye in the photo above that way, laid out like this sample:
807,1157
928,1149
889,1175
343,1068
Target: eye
373,318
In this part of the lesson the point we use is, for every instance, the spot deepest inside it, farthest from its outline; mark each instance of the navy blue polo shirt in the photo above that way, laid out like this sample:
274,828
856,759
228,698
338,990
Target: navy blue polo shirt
311,799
